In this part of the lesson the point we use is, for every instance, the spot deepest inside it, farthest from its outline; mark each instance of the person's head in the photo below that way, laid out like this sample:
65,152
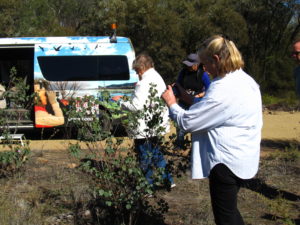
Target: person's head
192,62
220,56
41,96
296,50
142,63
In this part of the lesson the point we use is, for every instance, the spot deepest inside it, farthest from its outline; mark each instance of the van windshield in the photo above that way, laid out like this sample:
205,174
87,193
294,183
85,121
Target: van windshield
84,68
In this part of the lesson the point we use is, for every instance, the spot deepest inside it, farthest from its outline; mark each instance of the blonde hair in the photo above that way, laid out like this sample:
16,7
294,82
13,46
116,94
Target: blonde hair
230,57
143,61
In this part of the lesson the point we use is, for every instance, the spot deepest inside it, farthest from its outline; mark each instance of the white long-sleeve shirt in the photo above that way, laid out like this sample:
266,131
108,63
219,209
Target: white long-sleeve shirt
141,95
225,125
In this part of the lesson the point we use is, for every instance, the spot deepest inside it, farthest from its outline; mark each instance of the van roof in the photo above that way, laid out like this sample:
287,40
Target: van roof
62,40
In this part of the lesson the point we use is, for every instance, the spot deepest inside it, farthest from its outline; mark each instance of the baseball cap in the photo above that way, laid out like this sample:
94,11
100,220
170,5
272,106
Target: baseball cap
191,60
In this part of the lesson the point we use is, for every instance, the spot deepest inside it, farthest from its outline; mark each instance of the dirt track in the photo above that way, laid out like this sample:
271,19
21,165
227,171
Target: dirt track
277,126
281,126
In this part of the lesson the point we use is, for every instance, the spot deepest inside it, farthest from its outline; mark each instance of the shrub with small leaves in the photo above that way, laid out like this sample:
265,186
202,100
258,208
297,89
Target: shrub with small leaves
14,159
121,191
291,153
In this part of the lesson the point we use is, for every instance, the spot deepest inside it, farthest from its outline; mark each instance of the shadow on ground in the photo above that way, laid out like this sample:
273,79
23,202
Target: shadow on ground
279,144
261,187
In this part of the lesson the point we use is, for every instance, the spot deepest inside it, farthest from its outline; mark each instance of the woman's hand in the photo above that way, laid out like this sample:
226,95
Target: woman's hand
168,96
51,97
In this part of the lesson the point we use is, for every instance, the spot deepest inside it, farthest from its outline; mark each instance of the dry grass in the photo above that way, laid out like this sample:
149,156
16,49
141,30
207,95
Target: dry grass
50,191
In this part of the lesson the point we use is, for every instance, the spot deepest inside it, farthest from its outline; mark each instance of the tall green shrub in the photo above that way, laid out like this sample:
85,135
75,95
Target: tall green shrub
121,191
16,94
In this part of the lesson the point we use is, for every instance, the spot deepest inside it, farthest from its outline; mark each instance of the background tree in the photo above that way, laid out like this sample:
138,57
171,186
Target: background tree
9,15
151,25
271,29
169,30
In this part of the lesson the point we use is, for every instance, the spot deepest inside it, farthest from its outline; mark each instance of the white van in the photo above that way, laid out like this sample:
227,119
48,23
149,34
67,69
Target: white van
70,67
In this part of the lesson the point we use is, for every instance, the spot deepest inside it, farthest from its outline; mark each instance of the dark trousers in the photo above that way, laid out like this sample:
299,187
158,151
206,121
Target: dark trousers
224,187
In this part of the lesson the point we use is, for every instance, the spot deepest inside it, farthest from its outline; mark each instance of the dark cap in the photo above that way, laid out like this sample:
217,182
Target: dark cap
191,60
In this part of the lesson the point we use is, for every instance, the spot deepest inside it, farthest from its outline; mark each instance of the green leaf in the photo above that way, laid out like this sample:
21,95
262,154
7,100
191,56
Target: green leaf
101,192
128,206
108,203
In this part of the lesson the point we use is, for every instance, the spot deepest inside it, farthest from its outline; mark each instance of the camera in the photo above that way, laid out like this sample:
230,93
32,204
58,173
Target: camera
175,90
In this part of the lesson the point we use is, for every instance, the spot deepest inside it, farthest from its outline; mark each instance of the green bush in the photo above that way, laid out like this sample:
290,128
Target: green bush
121,191
291,153
281,210
13,160
286,103
269,99
17,92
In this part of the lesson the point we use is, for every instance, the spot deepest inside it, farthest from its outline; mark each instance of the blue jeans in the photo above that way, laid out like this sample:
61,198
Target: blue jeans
150,156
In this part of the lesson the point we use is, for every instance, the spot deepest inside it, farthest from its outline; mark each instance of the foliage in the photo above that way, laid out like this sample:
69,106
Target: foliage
17,91
121,190
271,30
11,161
168,30
152,114
281,210
269,100
18,98
287,103
291,153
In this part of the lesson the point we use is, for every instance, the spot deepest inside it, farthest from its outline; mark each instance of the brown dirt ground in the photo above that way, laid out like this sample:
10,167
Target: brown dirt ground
281,125
277,126
189,201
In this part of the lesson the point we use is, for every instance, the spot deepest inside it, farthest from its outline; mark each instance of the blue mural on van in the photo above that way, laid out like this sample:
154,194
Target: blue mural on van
76,67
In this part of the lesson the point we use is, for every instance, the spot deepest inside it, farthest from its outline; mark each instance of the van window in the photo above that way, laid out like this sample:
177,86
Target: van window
84,68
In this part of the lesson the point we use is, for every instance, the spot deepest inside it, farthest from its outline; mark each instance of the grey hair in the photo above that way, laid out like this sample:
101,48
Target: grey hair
143,61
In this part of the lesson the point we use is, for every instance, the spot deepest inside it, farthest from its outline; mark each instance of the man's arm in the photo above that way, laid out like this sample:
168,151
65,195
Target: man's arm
138,100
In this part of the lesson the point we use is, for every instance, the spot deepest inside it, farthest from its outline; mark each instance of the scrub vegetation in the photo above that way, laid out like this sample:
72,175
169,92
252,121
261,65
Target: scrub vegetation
54,188
95,179
169,30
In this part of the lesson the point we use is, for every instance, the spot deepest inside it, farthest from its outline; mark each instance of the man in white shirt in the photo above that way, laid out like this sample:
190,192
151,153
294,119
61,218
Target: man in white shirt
146,143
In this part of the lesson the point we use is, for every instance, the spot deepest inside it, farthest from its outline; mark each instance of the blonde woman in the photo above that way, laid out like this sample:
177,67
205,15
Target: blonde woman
225,125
